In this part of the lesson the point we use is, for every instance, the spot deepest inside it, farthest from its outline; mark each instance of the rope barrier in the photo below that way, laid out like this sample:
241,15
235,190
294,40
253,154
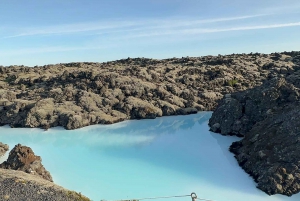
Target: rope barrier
192,195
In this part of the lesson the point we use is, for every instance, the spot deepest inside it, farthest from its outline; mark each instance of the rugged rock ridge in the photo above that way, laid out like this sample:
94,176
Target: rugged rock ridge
22,158
268,118
74,95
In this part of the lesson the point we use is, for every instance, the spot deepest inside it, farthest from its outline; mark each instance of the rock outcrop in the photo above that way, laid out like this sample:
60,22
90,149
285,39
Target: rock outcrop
74,95
3,148
267,117
22,158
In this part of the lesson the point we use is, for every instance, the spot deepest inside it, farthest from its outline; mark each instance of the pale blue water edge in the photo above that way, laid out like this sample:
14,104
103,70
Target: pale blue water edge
142,158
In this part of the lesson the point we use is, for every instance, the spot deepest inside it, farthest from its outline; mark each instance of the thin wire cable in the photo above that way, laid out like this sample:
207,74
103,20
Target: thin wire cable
203,199
174,196
162,197
153,198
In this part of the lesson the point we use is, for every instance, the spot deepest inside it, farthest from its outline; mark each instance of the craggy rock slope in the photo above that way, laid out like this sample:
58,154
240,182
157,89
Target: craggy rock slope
74,95
268,117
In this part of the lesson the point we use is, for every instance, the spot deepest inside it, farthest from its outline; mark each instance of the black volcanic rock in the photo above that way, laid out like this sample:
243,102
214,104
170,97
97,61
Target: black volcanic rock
22,158
268,118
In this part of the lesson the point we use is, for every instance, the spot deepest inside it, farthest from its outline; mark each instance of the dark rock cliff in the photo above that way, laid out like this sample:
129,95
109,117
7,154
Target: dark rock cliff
267,117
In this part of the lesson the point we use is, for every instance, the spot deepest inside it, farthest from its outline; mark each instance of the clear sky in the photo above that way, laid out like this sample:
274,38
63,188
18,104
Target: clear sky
38,32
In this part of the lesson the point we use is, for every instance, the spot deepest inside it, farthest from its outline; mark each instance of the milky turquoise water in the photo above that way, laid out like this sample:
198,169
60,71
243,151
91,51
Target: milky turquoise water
142,158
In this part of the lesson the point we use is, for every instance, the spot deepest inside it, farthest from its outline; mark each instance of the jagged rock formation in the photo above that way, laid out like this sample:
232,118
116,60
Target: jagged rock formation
17,185
3,148
268,118
22,158
74,95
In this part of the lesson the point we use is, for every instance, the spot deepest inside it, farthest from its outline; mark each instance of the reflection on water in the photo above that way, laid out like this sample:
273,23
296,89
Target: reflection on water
142,158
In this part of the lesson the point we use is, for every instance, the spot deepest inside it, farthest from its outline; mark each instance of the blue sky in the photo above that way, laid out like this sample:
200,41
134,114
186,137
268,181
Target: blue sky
36,32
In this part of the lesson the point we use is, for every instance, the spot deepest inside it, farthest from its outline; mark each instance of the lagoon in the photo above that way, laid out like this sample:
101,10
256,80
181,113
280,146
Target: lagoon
166,156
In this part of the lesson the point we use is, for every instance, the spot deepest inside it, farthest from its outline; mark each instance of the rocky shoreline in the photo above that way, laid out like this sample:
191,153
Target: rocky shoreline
267,117
75,95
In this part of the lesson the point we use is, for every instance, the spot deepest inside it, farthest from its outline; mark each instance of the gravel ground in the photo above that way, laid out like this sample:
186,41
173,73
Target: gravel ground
19,186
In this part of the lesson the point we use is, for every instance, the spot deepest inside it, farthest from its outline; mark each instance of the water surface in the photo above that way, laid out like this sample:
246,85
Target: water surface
142,158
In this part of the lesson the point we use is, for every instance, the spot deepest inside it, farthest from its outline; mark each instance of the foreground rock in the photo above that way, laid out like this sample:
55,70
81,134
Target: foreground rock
268,117
23,177
74,95
17,185
22,158
3,148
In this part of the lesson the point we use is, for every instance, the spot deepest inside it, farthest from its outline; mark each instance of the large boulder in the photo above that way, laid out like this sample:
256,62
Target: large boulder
140,109
268,118
22,158
3,148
